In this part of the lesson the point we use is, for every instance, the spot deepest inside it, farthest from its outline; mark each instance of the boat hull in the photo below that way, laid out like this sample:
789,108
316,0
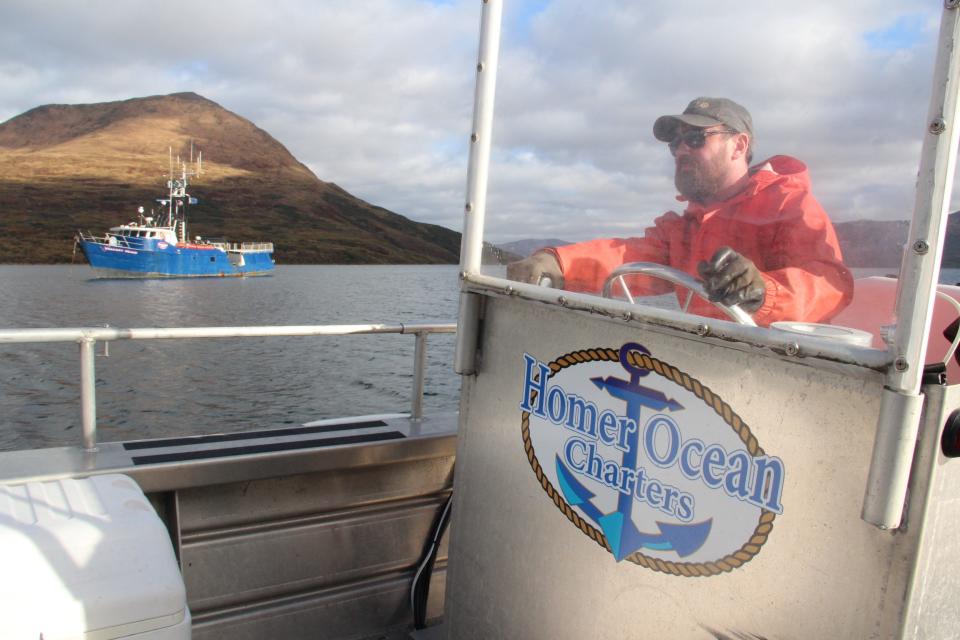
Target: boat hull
110,261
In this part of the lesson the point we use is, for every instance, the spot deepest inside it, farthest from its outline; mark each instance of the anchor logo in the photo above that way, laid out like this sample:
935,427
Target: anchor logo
621,533
692,465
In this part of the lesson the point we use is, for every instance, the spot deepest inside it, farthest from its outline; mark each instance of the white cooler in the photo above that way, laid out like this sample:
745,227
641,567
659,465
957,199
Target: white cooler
87,559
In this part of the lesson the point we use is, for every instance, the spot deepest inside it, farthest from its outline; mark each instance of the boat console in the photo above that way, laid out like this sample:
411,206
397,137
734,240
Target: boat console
631,471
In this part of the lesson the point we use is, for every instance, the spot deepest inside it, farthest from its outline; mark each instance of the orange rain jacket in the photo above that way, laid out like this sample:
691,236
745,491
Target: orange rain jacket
774,221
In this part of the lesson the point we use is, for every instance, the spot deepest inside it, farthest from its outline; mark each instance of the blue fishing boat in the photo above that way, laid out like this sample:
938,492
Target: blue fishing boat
159,247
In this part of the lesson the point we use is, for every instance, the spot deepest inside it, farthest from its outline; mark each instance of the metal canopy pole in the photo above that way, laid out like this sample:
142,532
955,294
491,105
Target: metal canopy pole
471,247
902,403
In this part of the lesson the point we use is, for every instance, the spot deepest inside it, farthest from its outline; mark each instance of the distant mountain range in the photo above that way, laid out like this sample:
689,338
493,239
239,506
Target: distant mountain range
70,167
864,243
527,247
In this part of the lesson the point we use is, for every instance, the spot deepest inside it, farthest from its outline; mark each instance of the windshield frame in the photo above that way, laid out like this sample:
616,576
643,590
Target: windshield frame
916,290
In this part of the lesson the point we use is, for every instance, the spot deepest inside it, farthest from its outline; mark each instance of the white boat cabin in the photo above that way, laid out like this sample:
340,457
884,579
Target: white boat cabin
148,231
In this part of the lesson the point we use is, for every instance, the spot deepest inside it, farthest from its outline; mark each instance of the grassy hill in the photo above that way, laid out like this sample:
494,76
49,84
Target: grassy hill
69,167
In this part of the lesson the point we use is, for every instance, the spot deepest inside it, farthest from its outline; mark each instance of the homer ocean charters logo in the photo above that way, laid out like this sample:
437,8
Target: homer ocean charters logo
657,469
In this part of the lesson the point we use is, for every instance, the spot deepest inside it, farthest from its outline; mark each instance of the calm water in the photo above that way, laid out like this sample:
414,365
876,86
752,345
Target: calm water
158,387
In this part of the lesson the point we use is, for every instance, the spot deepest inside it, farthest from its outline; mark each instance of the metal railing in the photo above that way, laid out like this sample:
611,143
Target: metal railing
244,246
87,338
121,242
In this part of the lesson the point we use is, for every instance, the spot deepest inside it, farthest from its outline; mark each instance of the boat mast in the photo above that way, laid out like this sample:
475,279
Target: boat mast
179,191
178,199
170,186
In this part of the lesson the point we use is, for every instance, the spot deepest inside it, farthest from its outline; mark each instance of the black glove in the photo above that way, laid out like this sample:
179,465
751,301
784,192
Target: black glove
733,279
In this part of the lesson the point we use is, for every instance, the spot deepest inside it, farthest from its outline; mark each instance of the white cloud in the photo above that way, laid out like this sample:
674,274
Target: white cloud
376,95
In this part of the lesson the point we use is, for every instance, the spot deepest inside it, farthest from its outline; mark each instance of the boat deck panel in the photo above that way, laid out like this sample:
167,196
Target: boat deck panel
312,531
174,463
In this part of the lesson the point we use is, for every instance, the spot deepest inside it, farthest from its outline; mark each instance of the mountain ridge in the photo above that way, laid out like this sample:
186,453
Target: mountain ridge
863,243
70,167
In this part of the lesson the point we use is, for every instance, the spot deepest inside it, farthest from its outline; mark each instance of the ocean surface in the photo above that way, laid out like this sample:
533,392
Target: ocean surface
154,388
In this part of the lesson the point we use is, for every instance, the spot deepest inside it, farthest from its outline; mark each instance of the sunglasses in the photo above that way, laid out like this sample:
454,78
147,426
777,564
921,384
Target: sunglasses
693,138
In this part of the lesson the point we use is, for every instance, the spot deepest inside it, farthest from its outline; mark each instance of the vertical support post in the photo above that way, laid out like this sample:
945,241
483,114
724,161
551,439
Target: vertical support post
468,334
478,170
899,418
88,393
419,367
172,519
920,268
893,447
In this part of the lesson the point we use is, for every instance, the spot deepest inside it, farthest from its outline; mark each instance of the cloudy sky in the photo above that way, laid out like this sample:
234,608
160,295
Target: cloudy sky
377,95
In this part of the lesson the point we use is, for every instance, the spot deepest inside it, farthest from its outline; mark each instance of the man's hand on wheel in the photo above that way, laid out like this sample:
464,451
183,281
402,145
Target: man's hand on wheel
732,279
535,268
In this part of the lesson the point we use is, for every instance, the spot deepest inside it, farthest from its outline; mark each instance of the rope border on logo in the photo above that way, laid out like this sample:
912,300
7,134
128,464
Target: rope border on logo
638,359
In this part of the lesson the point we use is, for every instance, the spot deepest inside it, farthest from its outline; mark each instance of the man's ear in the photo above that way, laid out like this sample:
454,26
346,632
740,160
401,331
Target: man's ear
741,145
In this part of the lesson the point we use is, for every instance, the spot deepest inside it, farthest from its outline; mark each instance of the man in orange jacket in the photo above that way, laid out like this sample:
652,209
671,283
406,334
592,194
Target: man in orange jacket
754,235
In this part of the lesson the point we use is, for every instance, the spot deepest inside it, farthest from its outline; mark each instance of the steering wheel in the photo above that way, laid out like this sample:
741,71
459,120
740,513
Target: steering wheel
674,276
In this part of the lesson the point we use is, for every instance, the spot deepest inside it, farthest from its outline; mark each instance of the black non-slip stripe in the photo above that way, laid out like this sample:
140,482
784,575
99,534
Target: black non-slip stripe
265,448
248,435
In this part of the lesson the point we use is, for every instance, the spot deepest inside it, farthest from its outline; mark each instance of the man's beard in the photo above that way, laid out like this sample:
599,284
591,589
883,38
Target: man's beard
699,180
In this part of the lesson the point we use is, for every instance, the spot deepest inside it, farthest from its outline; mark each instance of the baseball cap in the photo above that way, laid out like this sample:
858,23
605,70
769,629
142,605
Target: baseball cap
705,112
